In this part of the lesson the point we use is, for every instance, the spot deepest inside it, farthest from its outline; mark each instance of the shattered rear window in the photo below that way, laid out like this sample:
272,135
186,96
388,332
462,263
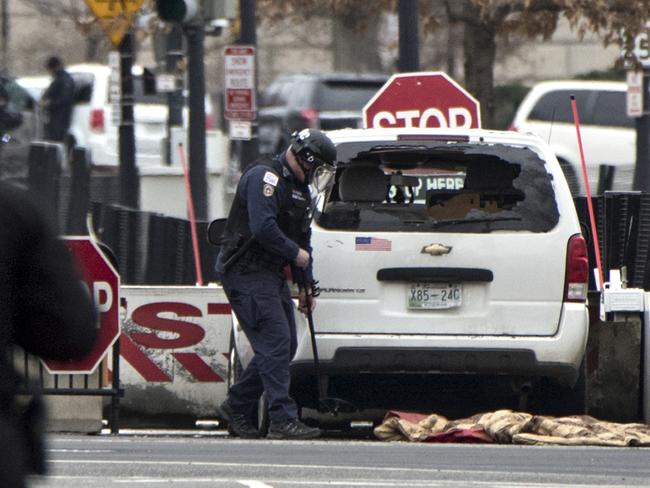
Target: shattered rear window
442,187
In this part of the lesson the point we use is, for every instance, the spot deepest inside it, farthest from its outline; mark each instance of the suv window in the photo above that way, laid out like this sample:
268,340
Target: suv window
345,95
610,110
83,87
140,97
464,188
299,94
19,98
279,92
556,106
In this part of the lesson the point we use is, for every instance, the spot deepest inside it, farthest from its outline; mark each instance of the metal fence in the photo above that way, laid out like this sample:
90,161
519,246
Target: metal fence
623,227
103,382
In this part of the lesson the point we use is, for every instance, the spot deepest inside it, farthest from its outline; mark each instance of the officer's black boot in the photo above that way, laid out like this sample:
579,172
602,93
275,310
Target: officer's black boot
239,424
292,429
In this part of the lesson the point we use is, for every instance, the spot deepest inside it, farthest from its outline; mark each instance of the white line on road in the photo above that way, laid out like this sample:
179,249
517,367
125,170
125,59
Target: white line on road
253,484
250,465
42,483
433,472
76,451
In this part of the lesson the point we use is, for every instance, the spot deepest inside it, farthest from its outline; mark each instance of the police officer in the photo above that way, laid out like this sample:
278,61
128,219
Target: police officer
267,229
58,101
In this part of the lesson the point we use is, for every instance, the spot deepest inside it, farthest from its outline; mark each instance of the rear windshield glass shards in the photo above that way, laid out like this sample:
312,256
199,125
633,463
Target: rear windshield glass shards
424,187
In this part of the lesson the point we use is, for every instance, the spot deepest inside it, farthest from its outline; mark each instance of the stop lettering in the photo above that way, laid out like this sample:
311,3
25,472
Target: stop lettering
103,284
427,99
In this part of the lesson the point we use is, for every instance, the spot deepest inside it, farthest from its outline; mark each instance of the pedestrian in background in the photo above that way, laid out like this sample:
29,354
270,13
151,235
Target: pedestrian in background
46,310
268,228
57,101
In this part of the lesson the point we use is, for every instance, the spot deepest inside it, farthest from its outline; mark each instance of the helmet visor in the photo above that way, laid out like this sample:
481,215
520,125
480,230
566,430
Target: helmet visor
322,177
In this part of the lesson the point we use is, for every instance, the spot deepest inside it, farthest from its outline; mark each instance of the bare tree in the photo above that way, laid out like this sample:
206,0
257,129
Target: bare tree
354,26
76,14
485,21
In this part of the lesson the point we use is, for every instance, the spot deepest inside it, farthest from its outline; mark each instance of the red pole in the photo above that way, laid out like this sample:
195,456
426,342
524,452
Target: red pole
190,211
590,205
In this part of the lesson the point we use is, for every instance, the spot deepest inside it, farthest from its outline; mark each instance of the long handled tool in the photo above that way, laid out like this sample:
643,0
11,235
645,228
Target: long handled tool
325,404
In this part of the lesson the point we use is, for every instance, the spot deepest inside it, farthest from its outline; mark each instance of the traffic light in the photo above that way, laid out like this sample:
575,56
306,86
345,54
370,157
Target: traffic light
177,10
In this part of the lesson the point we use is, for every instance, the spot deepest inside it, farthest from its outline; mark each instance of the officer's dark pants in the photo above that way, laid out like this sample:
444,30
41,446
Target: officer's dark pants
262,302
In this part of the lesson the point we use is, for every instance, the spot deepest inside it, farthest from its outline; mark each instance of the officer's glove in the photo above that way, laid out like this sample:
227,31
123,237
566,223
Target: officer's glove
306,300
303,259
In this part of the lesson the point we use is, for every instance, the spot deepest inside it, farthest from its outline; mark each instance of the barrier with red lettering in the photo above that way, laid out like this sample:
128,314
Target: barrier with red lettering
174,348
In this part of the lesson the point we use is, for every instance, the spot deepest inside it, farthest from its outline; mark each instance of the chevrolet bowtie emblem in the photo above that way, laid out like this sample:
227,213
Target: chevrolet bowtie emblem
436,249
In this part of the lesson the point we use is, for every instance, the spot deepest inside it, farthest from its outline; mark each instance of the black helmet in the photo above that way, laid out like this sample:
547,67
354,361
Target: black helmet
313,148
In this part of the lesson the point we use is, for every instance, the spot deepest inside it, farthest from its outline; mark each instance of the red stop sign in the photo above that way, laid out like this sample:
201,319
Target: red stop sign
427,99
103,282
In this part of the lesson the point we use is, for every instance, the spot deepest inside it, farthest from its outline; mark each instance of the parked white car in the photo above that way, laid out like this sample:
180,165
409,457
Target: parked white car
94,125
608,134
35,85
444,251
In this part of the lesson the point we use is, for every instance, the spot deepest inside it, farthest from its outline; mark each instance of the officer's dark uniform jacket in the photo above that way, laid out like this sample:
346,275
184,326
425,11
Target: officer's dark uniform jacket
60,94
268,221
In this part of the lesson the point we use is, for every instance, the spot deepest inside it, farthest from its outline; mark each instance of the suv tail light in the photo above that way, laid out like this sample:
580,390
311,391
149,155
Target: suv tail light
311,117
577,270
209,121
513,128
97,120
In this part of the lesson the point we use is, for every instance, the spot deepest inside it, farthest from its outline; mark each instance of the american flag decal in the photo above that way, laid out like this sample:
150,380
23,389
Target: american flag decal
371,244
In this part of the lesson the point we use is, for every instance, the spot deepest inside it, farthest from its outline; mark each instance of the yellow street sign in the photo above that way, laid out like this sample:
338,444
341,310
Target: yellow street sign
115,16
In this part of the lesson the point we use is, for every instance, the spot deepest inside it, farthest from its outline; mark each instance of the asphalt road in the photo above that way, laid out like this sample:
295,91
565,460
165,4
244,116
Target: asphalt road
212,459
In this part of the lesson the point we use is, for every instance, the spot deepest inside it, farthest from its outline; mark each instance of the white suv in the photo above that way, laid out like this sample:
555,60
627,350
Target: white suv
607,133
93,125
444,252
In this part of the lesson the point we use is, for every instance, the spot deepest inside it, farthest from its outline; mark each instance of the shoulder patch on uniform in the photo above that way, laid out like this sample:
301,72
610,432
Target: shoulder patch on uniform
271,178
268,190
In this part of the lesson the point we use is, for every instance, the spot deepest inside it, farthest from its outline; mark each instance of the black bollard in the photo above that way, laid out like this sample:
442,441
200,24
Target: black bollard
43,177
80,167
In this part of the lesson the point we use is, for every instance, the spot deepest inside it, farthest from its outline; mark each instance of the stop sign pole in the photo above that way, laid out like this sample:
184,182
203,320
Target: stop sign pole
423,99
103,283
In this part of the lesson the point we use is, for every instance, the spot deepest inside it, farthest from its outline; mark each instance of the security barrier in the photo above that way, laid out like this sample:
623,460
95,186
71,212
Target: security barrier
623,226
104,382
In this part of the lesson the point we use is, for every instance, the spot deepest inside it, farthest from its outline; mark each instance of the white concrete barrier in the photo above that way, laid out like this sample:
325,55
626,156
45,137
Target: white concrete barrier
162,188
174,349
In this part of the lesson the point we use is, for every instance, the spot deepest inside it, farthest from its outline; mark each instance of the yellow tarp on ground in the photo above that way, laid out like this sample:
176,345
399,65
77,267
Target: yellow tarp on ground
508,427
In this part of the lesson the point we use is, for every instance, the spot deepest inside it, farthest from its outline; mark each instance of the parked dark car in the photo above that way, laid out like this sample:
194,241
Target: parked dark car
15,151
324,101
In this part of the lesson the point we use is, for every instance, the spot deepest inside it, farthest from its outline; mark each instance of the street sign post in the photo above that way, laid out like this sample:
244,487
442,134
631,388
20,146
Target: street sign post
642,47
239,83
115,16
115,87
103,283
425,99
634,95
637,107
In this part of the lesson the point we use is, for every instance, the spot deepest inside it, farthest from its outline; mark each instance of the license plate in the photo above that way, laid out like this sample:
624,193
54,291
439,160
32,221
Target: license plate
434,296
